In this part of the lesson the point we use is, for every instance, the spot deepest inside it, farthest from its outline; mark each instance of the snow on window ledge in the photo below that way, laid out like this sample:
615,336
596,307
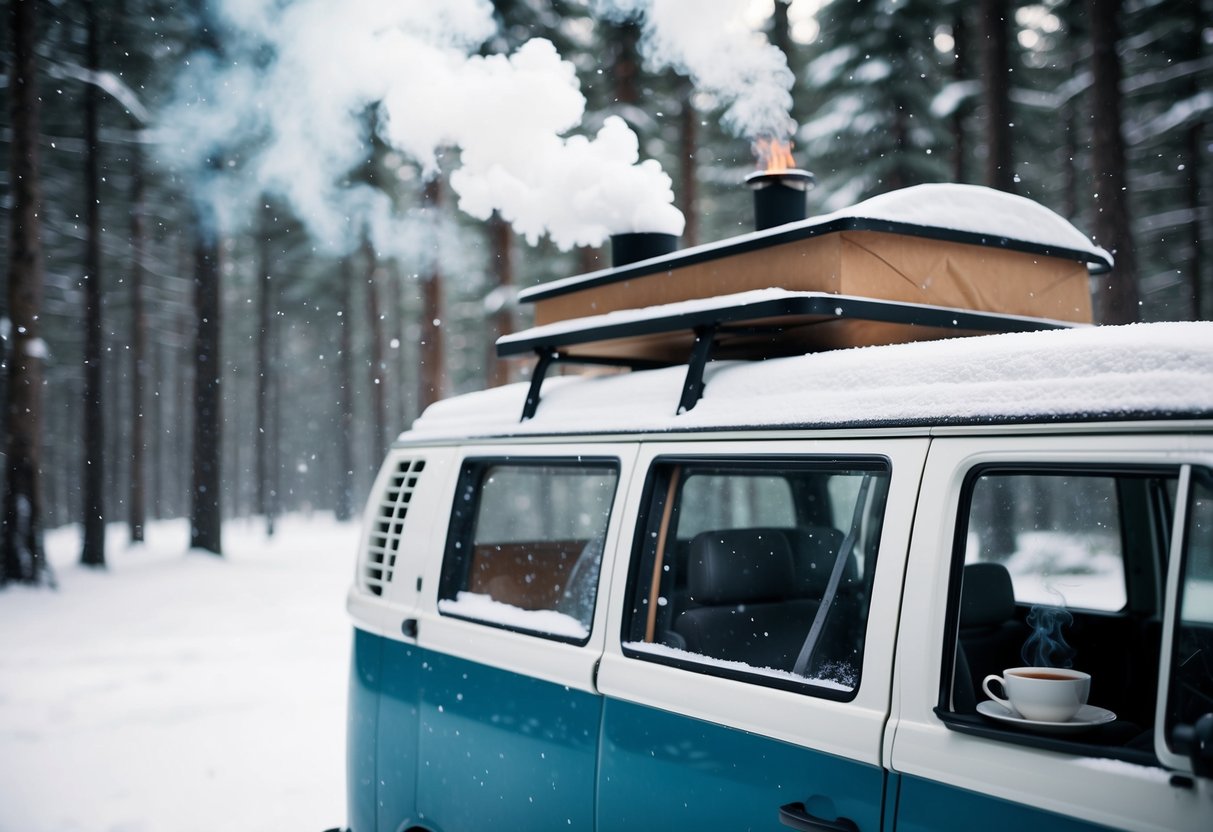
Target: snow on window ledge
484,608
667,652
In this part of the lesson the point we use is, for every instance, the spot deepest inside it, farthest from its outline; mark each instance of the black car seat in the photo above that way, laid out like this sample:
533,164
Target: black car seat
991,638
742,582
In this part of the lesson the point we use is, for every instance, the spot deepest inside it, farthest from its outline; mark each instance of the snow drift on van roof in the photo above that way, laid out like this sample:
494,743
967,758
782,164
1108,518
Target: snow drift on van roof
1158,369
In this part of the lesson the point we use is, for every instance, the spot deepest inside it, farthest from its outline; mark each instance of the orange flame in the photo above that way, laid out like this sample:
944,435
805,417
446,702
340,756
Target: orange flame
774,155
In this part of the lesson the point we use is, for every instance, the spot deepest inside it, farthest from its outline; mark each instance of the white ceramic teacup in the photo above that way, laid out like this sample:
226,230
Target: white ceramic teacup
1042,694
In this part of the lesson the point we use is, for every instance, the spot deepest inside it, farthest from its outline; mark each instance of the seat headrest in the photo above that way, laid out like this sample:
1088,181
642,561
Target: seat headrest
987,598
739,566
814,551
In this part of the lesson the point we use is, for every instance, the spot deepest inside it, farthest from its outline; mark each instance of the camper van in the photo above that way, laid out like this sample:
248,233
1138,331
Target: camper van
852,522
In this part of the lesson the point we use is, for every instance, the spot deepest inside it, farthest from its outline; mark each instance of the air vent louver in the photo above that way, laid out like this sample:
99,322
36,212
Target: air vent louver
383,543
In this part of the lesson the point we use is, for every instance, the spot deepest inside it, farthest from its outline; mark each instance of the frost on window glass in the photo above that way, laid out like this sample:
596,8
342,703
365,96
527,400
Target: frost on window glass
758,569
526,543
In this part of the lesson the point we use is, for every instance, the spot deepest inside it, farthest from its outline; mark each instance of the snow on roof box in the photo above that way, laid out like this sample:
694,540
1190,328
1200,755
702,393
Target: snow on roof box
958,246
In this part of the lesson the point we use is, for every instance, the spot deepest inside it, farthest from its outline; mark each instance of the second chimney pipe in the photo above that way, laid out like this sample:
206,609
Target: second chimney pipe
640,245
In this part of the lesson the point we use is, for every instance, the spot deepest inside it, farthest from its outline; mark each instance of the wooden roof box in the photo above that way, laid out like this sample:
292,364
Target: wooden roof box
952,246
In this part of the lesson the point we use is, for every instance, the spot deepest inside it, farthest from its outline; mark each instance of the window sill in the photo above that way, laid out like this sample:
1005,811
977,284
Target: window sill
1119,740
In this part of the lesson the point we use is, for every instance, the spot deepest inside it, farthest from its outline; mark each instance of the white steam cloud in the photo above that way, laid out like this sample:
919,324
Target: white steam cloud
509,121
291,107
711,42
303,85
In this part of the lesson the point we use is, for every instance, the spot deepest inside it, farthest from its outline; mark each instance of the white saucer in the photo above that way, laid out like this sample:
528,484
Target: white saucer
1088,716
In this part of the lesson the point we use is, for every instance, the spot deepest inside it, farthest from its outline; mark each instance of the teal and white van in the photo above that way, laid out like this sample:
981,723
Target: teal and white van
724,593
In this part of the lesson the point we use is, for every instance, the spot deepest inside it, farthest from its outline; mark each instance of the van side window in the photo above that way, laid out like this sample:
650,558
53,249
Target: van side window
758,569
715,502
1061,568
1190,691
525,544
1057,535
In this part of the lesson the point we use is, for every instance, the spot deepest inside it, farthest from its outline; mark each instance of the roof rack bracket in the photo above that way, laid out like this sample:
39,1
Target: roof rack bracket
547,356
701,352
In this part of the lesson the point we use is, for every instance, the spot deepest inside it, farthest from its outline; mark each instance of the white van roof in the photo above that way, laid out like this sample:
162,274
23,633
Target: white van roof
1156,370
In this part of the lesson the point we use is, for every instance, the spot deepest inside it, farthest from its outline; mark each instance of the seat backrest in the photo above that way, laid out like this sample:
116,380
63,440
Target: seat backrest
814,551
741,580
990,634
987,598
739,566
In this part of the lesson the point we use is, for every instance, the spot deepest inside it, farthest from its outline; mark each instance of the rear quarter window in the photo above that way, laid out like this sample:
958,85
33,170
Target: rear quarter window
526,542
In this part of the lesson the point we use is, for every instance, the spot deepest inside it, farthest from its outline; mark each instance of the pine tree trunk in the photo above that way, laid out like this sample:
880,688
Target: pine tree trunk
433,360
157,370
1069,203
589,258
402,369
1194,165
1116,297
960,72
899,176
781,29
93,476
625,68
22,556
996,92
688,170
136,496
501,319
206,498
379,376
266,434
343,508
181,419
1194,171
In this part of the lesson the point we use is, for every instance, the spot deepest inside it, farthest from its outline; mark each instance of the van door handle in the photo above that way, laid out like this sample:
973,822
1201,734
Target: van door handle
797,816
409,627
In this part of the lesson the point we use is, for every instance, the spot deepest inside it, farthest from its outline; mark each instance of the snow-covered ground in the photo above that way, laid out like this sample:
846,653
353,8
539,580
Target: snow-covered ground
178,691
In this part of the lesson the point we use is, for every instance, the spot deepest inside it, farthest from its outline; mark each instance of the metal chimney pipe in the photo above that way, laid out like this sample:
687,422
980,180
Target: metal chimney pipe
779,197
640,245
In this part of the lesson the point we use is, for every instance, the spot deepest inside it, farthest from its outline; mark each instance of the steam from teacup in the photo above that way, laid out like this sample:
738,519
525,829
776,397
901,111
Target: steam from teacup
1047,646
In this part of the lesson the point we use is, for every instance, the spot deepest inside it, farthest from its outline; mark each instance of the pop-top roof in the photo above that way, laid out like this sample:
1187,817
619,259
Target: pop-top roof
1160,370
949,212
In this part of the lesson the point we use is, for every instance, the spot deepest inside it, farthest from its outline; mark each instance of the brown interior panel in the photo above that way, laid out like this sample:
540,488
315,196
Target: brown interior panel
530,575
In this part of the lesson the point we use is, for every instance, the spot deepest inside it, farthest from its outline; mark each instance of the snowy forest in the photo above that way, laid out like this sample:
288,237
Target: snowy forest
245,245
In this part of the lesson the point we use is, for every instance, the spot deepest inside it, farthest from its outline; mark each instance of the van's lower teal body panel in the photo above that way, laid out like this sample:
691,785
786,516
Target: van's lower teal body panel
927,806
500,750
665,771
396,762
362,731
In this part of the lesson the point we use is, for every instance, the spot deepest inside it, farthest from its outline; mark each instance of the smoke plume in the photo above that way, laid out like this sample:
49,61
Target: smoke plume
710,42
303,87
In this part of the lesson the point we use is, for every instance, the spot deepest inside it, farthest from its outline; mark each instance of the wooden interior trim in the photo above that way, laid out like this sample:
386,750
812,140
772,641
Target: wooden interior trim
650,629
